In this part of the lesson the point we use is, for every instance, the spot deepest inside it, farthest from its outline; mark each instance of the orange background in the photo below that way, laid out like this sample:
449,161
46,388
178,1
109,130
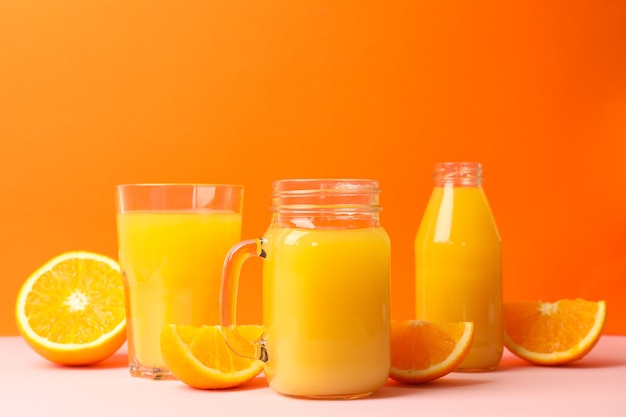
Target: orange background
97,93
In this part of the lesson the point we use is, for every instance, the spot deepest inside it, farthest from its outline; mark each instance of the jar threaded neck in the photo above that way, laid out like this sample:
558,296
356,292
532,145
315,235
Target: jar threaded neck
333,203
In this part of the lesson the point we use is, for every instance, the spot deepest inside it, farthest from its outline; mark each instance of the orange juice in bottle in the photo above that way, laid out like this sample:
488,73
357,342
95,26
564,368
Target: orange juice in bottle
458,261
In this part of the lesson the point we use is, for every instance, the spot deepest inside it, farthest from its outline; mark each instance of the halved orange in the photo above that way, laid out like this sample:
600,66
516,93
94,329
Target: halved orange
71,310
422,351
553,333
200,357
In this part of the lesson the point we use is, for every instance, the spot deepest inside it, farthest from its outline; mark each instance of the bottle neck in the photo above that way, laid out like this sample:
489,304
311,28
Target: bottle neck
464,174
325,203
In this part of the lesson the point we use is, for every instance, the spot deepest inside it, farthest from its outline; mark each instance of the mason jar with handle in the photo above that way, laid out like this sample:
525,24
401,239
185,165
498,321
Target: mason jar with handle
326,279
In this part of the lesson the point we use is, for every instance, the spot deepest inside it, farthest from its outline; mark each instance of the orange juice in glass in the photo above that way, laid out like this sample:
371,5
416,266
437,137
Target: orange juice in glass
459,261
325,290
172,242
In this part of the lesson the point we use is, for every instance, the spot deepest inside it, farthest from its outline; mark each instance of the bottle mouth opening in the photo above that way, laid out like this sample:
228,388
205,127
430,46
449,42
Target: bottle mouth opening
459,173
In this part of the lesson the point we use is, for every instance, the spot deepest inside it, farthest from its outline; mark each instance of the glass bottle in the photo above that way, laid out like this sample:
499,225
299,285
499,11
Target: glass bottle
458,261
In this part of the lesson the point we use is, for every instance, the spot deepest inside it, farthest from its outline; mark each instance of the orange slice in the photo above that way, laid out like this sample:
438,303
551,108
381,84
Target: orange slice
200,357
71,309
422,351
553,333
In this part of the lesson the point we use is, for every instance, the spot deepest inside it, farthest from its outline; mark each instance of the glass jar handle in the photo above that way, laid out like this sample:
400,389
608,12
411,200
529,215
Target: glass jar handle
238,254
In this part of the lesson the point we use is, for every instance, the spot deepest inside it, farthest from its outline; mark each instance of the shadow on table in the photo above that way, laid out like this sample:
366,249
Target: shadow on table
391,389
513,362
396,389
117,360
597,363
257,383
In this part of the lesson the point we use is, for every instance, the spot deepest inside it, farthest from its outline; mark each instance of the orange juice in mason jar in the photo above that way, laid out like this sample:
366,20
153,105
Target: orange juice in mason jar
326,265
325,296
458,261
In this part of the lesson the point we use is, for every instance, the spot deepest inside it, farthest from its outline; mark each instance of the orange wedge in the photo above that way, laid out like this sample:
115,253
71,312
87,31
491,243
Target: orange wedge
553,333
71,309
200,357
423,351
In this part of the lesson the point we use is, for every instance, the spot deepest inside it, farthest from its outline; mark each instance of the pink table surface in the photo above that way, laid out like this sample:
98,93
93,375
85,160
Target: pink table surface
594,386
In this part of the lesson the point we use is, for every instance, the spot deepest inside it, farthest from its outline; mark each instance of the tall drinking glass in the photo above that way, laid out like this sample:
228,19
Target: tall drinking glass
172,239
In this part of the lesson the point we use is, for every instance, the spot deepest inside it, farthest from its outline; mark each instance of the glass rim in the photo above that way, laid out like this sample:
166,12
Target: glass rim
178,196
325,185
462,164
331,179
176,185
